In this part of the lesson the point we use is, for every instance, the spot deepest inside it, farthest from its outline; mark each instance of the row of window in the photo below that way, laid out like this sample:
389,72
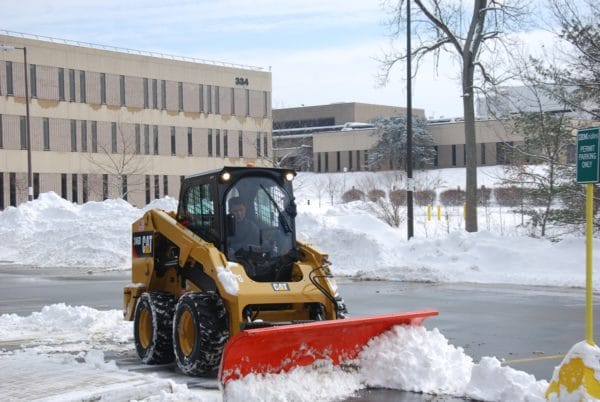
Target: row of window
91,186
119,90
85,136
350,164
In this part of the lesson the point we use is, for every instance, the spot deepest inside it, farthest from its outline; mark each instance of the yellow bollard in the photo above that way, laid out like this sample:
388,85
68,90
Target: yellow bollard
428,213
465,211
439,212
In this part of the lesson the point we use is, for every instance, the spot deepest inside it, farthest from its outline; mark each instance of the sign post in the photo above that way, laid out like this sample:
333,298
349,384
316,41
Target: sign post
588,173
573,374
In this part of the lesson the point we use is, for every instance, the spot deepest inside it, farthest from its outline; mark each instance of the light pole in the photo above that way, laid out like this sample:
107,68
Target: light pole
8,48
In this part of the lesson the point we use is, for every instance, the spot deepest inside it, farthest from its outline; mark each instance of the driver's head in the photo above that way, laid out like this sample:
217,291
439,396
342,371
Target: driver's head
237,208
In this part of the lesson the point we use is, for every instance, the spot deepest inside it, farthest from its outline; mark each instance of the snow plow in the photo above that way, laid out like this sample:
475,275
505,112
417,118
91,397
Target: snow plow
222,285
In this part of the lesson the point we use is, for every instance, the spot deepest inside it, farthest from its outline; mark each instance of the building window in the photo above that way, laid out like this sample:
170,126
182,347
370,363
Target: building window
173,144
138,140
61,84
233,101
189,141
147,189
63,185
71,85
570,151
1,134
201,97
155,139
266,104
122,90
165,185
163,94
258,145
453,155
154,94
502,152
33,80
349,160
23,131
74,190
225,143
319,162
217,100
113,136
156,187
85,187
46,133
146,91
73,136
241,143
247,93
104,186
483,154
338,159
180,96
82,87
12,186
94,137
210,151
266,145
9,80
218,142
36,185
146,139
209,98
84,140
1,190
358,165
124,187
326,161
103,88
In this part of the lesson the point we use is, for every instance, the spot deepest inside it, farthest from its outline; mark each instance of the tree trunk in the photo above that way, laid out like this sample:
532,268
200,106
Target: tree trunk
470,145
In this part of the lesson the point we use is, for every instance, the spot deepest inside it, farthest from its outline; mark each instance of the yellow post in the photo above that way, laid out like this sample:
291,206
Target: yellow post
428,213
589,313
439,212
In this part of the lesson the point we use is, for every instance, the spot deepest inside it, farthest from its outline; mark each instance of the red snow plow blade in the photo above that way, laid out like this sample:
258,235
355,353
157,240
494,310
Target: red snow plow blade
281,348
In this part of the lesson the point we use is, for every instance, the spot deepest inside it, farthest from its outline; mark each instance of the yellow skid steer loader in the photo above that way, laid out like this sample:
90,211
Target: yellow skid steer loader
223,285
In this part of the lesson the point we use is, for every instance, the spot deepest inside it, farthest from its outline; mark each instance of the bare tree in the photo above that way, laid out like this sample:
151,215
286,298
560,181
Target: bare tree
446,26
121,163
333,187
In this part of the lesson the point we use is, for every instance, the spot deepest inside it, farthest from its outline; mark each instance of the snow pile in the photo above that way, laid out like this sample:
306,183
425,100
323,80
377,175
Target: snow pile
405,358
51,231
74,328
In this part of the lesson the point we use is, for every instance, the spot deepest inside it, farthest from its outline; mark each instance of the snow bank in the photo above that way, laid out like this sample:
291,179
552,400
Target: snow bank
50,231
405,358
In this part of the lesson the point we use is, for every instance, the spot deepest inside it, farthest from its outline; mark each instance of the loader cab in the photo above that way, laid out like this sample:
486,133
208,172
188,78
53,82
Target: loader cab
249,214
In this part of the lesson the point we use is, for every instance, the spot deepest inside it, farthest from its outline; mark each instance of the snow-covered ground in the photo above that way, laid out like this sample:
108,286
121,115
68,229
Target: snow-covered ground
53,232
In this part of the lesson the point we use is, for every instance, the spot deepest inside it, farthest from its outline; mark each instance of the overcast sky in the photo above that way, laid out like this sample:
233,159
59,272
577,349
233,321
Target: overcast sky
319,51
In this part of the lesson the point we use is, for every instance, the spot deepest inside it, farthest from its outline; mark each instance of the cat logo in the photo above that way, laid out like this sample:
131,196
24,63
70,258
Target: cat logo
281,287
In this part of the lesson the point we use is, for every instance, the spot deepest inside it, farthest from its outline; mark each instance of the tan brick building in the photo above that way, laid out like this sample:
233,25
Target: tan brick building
109,123
328,139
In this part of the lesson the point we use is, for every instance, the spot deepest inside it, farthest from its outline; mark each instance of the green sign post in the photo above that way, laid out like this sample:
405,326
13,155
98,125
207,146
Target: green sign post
587,156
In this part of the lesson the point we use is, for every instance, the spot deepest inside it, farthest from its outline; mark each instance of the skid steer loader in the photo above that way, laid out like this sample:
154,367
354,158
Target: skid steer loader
223,285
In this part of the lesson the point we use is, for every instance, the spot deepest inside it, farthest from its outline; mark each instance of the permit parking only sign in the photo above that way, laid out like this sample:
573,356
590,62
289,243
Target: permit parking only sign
587,155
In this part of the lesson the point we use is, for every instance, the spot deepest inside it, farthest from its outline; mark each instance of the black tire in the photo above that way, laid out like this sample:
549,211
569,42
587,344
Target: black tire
152,327
200,331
